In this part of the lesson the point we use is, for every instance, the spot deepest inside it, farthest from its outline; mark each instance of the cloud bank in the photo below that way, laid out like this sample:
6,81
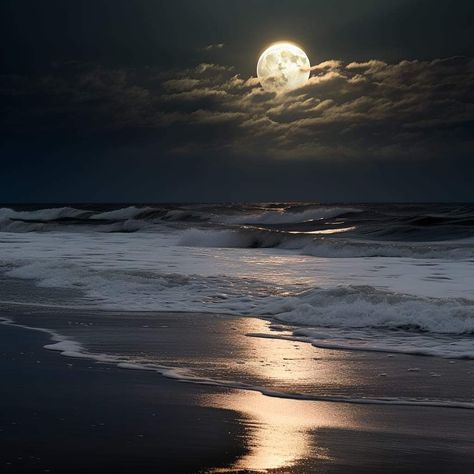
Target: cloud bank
346,110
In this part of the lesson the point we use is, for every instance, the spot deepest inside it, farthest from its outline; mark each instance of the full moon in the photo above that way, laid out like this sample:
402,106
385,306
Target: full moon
283,67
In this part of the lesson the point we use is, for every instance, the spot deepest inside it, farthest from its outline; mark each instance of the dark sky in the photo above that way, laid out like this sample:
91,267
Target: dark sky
147,101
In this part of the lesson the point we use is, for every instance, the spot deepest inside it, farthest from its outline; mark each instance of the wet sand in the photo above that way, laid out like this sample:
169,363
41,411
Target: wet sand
62,414
224,349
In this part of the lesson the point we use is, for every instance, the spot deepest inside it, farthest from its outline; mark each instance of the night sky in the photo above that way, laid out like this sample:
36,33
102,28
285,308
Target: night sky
157,101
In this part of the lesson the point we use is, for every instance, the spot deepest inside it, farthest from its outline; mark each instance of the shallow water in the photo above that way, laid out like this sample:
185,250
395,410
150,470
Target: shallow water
223,351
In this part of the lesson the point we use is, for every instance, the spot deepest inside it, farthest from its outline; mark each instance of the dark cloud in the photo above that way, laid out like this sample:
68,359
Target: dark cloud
213,47
345,110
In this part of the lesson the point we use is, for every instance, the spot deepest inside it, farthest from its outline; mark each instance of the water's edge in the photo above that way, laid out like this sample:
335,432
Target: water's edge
68,347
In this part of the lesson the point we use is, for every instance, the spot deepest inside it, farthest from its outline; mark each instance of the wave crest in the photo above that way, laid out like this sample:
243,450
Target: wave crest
368,307
320,246
291,217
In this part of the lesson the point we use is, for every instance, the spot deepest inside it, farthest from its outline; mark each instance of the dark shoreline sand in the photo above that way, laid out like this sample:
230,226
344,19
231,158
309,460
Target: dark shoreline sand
66,415
61,414
223,349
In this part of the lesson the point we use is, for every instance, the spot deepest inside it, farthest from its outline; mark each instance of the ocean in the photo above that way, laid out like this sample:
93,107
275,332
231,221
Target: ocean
388,278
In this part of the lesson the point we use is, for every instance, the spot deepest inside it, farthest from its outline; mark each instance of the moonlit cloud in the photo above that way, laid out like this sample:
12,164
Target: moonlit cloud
346,110
212,47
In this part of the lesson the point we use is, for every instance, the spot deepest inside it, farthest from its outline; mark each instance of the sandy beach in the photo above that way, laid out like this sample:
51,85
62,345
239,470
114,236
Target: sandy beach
65,415
120,420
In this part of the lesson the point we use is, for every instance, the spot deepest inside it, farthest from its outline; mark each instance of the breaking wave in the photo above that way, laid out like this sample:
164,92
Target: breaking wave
45,215
368,307
321,246
265,225
342,306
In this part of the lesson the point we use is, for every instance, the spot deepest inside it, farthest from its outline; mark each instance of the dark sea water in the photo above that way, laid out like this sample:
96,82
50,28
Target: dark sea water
374,277
271,223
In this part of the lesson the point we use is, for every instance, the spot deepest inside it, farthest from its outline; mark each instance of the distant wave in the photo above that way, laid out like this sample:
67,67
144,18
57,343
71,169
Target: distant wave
321,246
41,214
233,238
125,213
293,217
411,231
71,220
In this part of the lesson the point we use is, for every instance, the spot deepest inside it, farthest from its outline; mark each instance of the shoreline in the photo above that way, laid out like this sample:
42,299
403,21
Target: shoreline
67,415
241,332
242,431
70,346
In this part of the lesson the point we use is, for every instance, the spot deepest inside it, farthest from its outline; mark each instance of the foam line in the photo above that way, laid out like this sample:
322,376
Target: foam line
70,348
366,347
